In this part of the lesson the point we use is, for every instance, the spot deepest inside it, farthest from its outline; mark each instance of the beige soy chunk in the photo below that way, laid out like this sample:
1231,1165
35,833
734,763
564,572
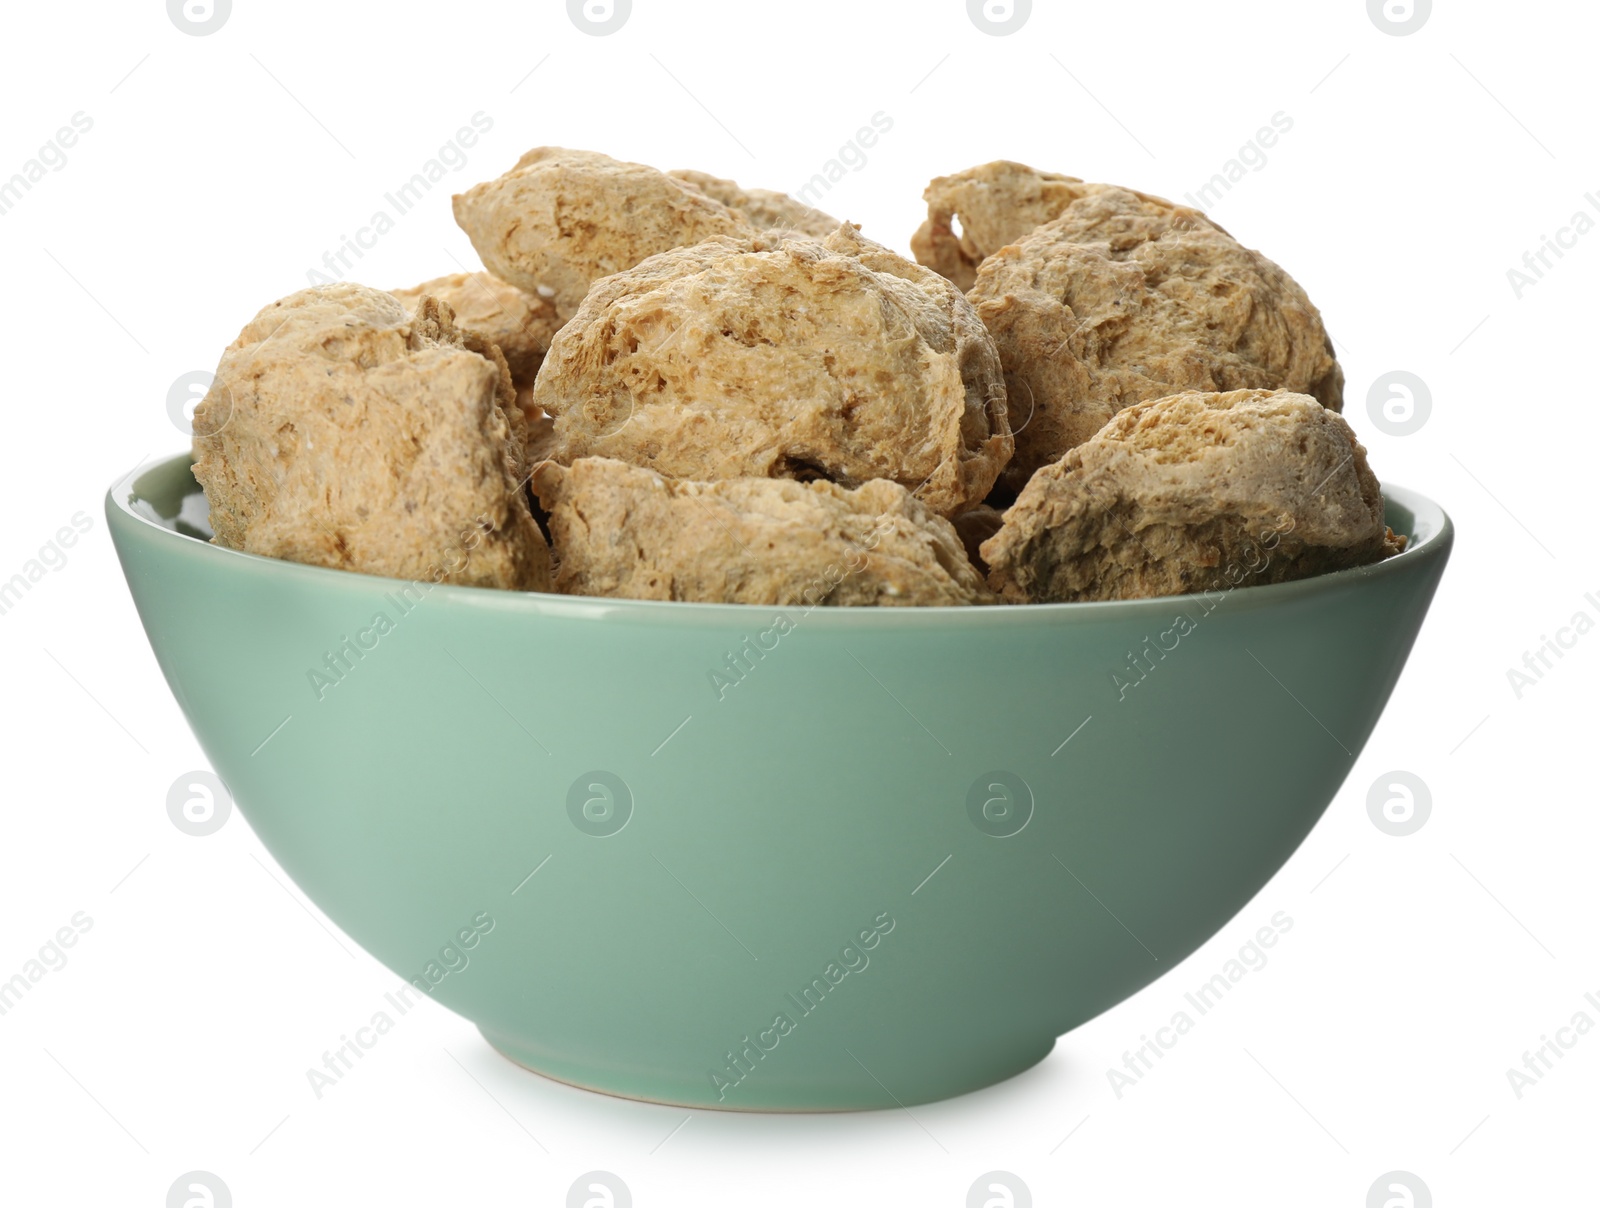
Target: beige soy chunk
782,356
342,432
763,209
560,219
1196,492
627,532
996,204
520,324
1121,300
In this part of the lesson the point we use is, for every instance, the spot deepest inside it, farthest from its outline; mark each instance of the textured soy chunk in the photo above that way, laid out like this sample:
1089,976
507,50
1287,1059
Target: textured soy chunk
624,531
761,208
782,356
1196,492
521,326
343,431
1124,298
560,220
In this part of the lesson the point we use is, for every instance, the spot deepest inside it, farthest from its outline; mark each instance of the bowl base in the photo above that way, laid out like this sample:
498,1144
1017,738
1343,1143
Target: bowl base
798,1099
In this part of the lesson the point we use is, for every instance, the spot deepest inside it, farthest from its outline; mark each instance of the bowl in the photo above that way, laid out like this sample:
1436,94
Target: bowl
729,856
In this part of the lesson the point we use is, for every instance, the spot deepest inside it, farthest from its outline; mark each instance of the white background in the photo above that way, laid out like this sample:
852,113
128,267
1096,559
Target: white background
1418,170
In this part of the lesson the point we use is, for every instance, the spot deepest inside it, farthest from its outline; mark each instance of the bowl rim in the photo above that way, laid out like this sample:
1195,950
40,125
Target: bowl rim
1431,540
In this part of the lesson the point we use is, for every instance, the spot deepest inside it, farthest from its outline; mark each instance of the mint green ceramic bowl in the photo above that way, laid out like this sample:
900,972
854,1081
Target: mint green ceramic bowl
754,858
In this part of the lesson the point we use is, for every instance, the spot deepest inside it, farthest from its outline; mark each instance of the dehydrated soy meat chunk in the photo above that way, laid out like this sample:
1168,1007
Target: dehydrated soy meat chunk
623,531
341,431
782,356
519,323
1122,299
560,219
761,208
1196,492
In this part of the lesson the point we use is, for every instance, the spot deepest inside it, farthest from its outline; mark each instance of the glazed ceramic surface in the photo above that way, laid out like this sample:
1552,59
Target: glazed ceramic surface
769,858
